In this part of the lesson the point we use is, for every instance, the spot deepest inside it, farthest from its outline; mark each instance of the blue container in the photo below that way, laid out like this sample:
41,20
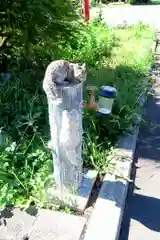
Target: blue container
107,96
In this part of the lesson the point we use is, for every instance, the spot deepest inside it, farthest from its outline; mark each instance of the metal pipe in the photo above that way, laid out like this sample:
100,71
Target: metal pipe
86,10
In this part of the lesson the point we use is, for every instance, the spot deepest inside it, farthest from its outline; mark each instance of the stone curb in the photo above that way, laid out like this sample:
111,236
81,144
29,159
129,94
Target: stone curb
106,219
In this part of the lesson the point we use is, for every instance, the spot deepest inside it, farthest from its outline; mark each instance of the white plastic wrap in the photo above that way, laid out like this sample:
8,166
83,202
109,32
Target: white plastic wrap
65,116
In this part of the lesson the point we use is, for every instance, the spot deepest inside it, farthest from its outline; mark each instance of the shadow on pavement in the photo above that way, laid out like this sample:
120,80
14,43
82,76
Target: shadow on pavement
5,214
149,215
142,208
149,137
8,212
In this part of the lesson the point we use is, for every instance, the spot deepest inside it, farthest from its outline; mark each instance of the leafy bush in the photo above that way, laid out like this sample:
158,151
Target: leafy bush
92,43
88,44
25,162
24,24
24,174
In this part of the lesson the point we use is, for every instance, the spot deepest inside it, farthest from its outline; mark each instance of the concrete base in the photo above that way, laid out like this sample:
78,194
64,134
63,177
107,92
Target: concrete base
76,200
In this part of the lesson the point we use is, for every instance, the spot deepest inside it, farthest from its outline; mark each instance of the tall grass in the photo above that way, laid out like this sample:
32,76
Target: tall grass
125,70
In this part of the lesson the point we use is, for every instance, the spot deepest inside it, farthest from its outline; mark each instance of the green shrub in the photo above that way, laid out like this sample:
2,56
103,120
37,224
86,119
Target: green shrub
89,44
26,23
93,42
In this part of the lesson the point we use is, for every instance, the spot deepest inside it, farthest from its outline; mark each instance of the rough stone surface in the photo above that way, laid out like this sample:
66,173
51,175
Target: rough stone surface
57,226
15,224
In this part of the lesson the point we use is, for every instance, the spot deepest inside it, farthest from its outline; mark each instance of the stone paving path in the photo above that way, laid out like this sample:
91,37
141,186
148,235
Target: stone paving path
142,213
39,225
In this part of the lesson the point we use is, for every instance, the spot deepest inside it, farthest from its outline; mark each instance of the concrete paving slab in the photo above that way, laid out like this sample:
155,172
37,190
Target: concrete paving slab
52,225
15,224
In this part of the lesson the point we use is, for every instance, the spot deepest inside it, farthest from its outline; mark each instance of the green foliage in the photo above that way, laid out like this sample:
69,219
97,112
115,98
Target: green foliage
25,162
92,42
24,173
126,69
95,2
139,1
26,23
88,44
113,58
